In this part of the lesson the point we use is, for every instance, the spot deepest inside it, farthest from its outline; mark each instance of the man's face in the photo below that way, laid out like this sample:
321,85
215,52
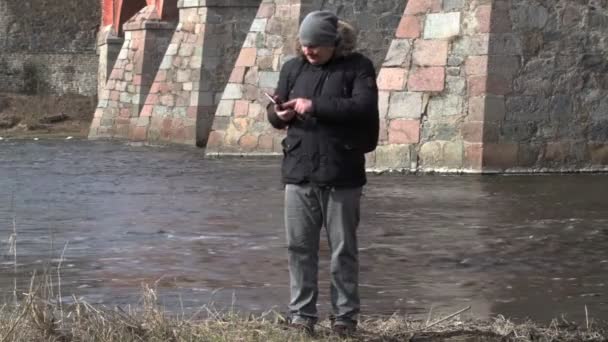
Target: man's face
318,55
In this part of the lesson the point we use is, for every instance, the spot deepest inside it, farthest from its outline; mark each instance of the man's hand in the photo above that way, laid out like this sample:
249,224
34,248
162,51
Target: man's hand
285,114
300,105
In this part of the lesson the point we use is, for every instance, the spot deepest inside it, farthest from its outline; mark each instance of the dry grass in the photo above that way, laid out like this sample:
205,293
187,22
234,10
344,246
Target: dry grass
40,314
38,317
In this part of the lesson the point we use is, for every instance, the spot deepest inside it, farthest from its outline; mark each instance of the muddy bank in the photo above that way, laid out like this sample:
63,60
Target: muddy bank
45,115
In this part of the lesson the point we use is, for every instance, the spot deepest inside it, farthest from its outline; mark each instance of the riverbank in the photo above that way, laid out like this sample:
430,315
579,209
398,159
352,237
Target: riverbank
40,319
26,116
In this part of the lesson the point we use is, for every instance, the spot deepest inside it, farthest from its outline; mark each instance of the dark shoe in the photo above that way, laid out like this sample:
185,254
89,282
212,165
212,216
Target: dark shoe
303,325
344,329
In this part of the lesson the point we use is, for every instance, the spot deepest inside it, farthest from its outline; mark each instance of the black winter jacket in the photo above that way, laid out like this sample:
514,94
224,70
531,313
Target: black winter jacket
327,147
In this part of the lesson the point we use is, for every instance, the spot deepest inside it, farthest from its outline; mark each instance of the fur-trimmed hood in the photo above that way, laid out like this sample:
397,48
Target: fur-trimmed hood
347,43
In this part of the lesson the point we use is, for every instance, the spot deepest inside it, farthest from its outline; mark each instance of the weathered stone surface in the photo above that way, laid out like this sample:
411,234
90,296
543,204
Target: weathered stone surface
405,105
445,106
430,79
398,54
396,157
511,76
403,131
392,78
409,27
430,52
442,25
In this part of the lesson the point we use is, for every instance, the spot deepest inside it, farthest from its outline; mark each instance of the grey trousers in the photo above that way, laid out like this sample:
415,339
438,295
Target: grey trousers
307,209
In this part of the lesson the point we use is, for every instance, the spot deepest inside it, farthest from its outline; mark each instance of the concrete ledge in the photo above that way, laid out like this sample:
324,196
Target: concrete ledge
218,3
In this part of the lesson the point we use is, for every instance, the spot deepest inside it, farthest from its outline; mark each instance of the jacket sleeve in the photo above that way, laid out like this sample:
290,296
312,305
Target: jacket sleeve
362,103
282,92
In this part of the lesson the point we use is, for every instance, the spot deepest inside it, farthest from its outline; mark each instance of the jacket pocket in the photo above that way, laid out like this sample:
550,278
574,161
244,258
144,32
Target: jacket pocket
290,143
293,168
342,162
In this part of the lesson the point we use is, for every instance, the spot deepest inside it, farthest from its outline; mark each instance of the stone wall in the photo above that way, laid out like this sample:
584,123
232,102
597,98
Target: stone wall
465,85
548,80
375,21
124,94
48,46
240,124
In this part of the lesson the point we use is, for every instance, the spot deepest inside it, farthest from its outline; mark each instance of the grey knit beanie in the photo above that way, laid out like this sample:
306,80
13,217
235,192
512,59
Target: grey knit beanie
319,28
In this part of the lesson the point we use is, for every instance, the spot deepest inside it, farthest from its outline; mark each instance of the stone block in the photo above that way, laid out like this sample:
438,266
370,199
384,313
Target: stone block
259,25
430,155
444,106
494,108
269,79
453,154
395,157
183,76
506,44
186,50
266,10
442,25
233,91
497,157
215,139
392,78
405,105
251,39
241,108
225,108
251,76
473,156
398,53
472,131
476,85
476,66
414,7
455,85
403,131
427,79
265,142
430,52
237,75
256,111
274,41
483,18
248,142
453,5
476,109
409,27
247,57
598,154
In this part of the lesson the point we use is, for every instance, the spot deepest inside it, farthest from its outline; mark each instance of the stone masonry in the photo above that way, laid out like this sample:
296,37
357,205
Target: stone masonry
240,124
48,47
120,102
465,85
193,74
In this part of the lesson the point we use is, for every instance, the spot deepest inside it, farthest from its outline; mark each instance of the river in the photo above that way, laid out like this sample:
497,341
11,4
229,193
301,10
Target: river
209,231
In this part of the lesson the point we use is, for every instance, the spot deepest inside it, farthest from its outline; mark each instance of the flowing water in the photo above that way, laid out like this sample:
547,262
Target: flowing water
113,216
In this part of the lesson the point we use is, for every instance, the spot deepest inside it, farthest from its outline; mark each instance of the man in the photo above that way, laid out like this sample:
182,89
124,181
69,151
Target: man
328,101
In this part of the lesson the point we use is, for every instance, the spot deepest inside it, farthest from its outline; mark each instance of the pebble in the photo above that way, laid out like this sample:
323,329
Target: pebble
68,138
